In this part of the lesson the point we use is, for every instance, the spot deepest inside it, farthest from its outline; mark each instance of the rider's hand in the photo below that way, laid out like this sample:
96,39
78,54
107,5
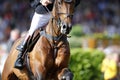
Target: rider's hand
45,2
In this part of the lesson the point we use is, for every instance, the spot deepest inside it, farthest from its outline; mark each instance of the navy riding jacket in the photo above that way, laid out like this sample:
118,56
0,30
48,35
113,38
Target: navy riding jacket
40,9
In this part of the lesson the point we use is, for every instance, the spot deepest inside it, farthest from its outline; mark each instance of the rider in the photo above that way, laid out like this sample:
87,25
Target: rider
40,18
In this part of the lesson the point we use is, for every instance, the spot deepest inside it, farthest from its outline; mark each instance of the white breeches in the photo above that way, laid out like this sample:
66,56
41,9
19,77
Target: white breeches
38,21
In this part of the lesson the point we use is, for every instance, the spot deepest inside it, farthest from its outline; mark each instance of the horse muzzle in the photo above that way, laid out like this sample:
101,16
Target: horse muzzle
66,28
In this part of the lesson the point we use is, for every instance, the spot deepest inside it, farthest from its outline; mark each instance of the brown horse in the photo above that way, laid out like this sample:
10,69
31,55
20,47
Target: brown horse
49,58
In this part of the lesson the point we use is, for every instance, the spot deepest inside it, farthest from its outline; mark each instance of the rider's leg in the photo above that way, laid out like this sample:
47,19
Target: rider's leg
21,48
39,20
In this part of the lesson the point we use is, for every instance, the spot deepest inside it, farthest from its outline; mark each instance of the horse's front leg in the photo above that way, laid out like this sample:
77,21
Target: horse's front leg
37,72
41,62
62,62
37,67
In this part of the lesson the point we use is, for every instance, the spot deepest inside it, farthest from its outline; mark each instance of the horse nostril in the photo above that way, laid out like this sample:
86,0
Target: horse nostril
64,26
70,28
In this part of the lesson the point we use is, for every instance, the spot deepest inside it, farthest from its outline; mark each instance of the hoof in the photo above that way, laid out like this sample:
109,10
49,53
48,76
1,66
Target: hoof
67,75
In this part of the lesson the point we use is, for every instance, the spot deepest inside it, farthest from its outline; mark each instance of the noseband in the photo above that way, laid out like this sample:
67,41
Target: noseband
61,22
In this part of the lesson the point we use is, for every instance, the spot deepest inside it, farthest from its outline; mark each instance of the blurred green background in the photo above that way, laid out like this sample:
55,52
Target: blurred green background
85,63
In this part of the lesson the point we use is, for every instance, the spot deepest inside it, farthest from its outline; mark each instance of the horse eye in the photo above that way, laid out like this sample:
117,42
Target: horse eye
59,1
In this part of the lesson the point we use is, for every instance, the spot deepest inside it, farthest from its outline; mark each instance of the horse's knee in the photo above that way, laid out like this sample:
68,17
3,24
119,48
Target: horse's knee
67,75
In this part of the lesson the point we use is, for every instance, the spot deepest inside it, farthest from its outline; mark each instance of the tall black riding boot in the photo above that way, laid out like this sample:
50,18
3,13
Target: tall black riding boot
21,48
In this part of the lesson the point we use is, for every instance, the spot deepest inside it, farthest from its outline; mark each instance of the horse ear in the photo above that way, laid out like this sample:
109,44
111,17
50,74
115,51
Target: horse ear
68,1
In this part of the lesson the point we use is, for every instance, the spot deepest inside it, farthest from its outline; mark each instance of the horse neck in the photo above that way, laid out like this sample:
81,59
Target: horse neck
52,28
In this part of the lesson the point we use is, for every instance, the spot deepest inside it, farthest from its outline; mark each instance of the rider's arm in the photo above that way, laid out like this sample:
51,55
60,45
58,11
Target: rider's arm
45,2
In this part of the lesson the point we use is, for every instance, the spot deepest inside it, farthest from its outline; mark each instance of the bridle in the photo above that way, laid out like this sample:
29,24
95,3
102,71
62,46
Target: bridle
67,15
63,13
58,20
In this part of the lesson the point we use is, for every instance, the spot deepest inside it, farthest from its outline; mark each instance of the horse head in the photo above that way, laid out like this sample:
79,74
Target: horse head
63,13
